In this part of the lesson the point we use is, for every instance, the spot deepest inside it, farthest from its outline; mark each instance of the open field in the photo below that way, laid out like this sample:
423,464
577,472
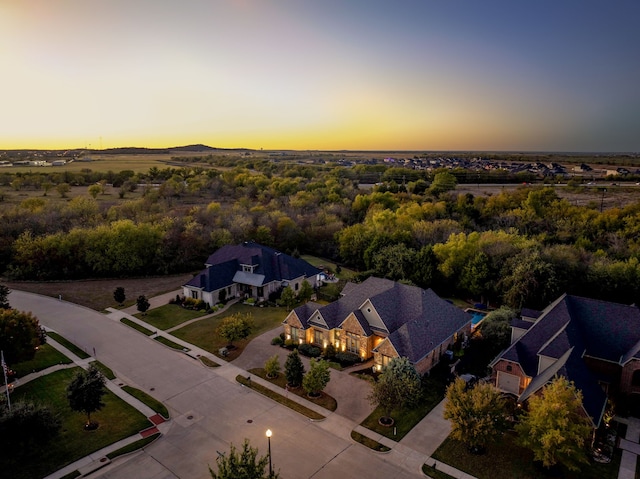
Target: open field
98,294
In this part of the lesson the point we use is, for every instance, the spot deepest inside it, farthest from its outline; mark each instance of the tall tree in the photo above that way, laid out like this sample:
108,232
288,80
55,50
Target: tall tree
142,304
243,464
20,335
477,415
496,329
235,327
294,369
555,427
306,291
119,295
287,298
4,297
317,378
85,392
398,385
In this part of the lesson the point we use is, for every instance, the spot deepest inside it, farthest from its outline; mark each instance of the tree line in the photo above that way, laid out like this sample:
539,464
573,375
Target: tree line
522,247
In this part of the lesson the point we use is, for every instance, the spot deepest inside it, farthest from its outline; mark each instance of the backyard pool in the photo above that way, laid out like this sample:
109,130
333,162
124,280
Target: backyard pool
476,317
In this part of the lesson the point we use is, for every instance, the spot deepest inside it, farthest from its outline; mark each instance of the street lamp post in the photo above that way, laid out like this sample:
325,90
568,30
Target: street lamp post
269,433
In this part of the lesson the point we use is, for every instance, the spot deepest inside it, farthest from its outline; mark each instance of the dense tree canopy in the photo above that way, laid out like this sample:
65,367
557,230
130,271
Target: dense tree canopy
398,385
522,247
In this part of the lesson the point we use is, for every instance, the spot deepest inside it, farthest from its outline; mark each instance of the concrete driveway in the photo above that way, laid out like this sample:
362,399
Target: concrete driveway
350,392
209,410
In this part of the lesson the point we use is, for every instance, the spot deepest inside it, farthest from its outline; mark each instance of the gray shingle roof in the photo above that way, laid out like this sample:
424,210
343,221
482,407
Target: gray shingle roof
417,320
270,263
574,327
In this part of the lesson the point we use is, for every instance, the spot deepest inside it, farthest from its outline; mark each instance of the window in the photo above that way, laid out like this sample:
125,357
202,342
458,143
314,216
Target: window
260,291
194,294
635,378
385,360
352,342
297,286
295,334
509,368
318,337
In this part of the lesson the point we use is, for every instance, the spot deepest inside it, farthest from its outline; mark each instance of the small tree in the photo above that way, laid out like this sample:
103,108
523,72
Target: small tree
85,392
142,304
94,190
119,295
19,335
317,378
63,189
242,465
554,428
272,366
294,369
495,328
287,298
398,385
306,291
235,327
27,425
4,297
477,415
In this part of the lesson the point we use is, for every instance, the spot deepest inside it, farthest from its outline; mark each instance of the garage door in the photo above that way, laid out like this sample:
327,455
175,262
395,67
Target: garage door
509,382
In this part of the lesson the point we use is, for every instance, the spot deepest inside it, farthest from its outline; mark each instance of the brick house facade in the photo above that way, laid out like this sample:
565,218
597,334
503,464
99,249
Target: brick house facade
595,344
382,319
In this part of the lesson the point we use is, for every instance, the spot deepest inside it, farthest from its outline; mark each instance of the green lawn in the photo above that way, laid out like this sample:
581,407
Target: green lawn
279,398
367,441
325,401
171,344
507,460
117,420
136,326
203,333
405,420
106,372
46,356
69,345
168,316
345,273
152,402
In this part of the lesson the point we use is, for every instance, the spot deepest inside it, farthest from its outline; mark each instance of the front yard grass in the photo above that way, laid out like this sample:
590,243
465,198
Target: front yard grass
204,333
507,460
106,371
117,420
405,420
279,398
150,401
171,344
46,356
325,401
136,326
370,443
168,316
68,344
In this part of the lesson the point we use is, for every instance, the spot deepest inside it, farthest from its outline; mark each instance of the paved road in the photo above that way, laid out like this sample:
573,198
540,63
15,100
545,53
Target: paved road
209,409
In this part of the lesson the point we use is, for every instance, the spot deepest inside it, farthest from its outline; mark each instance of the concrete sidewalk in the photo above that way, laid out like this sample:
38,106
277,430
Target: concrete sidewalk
411,452
99,458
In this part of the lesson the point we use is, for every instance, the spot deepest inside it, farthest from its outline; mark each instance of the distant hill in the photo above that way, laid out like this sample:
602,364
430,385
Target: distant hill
133,150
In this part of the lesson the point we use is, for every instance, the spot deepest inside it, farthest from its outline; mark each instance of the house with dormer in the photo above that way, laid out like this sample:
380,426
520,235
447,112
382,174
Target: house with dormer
595,344
382,319
249,270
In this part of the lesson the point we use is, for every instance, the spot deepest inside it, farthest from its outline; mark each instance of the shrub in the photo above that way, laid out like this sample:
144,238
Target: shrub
309,350
272,366
330,352
290,344
347,359
277,341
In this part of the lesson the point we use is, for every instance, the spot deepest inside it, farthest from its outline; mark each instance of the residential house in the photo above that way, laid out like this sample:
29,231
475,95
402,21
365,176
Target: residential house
595,344
249,270
382,319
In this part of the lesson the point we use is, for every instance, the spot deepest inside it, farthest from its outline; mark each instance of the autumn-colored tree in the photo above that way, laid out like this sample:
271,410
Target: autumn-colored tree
555,427
398,385
317,377
477,414
235,327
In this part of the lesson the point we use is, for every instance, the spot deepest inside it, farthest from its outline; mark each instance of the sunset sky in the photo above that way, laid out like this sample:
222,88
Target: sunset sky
561,75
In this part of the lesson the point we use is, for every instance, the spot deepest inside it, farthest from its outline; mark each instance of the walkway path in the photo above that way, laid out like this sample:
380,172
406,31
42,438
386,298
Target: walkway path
411,452
99,458
630,448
